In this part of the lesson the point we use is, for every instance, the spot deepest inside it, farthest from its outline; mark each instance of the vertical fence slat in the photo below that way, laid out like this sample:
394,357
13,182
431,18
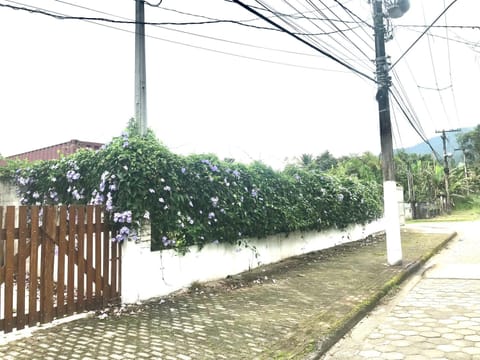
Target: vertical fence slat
2,263
81,259
82,237
21,274
98,256
62,244
33,278
49,233
2,239
9,268
106,264
89,256
72,226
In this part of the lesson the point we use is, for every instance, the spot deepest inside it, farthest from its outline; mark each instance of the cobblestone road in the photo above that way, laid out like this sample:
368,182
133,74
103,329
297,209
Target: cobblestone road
437,316
281,312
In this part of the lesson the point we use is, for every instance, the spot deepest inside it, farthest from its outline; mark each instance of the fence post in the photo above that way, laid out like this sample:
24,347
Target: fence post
48,252
133,274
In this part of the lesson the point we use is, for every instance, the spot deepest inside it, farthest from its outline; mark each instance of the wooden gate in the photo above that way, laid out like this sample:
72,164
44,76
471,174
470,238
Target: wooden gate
54,262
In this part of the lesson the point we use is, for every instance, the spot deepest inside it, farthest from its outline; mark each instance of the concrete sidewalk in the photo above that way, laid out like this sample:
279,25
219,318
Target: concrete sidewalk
291,309
435,316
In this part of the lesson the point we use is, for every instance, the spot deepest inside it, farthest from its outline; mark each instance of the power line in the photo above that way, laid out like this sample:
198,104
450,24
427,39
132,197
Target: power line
450,69
313,40
346,37
404,112
423,33
466,27
435,73
255,12
209,49
198,35
297,15
353,14
165,23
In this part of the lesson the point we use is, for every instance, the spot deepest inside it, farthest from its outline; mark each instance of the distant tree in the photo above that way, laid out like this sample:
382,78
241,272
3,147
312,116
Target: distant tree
306,160
470,143
325,161
365,167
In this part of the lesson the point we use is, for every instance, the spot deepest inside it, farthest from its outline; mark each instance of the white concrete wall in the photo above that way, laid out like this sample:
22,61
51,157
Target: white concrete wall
8,194
147,274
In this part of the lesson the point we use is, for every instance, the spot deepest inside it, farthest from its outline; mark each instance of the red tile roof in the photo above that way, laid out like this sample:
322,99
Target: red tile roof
55,151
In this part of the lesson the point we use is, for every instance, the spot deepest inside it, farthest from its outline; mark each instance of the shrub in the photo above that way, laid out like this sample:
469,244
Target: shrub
197,199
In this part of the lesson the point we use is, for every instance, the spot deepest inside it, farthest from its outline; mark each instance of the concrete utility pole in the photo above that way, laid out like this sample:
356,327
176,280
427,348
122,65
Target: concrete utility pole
140,68
446,168
391,213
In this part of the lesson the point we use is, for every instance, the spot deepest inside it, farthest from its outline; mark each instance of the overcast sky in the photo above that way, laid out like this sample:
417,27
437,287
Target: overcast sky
73,79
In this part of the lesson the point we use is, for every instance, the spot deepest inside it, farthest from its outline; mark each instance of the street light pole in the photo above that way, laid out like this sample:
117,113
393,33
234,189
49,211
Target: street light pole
140,68
391,212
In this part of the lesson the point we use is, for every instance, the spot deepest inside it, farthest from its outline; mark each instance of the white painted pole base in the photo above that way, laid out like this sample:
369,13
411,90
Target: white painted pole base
392,223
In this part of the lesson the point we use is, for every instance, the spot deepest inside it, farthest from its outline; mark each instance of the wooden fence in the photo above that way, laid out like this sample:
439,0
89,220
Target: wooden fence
54,262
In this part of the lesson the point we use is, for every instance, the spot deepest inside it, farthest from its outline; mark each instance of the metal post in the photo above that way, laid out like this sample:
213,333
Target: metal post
391,212
140,68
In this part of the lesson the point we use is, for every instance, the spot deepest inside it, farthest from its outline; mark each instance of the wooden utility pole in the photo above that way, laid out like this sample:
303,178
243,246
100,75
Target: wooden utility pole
446,168
465,168
140,68
392,216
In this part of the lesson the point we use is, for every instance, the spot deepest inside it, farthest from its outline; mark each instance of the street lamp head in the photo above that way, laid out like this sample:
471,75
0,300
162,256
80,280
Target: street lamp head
396,8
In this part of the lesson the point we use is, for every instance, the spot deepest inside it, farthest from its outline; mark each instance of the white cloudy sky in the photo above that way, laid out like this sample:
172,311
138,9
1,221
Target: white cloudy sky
72,79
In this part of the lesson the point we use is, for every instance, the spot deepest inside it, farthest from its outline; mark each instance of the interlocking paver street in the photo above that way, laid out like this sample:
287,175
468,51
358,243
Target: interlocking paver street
280,311
436,317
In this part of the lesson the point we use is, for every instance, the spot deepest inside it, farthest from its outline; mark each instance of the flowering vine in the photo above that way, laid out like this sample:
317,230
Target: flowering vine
197,199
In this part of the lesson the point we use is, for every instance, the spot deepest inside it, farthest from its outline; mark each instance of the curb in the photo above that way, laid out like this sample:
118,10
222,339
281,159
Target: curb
343,326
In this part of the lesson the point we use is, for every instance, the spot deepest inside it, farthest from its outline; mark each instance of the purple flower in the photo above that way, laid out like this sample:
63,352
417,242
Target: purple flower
167,242
214,168
152,191
206,161
76,195
98,198
124,231
167,188
183,170
109,204
124,217
236,173
70,175
214,201
211,215
254,193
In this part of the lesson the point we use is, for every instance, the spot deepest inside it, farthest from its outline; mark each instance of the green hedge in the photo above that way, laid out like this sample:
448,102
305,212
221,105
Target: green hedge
196,199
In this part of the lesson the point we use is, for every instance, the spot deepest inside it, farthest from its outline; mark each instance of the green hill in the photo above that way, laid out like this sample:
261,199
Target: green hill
437,144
